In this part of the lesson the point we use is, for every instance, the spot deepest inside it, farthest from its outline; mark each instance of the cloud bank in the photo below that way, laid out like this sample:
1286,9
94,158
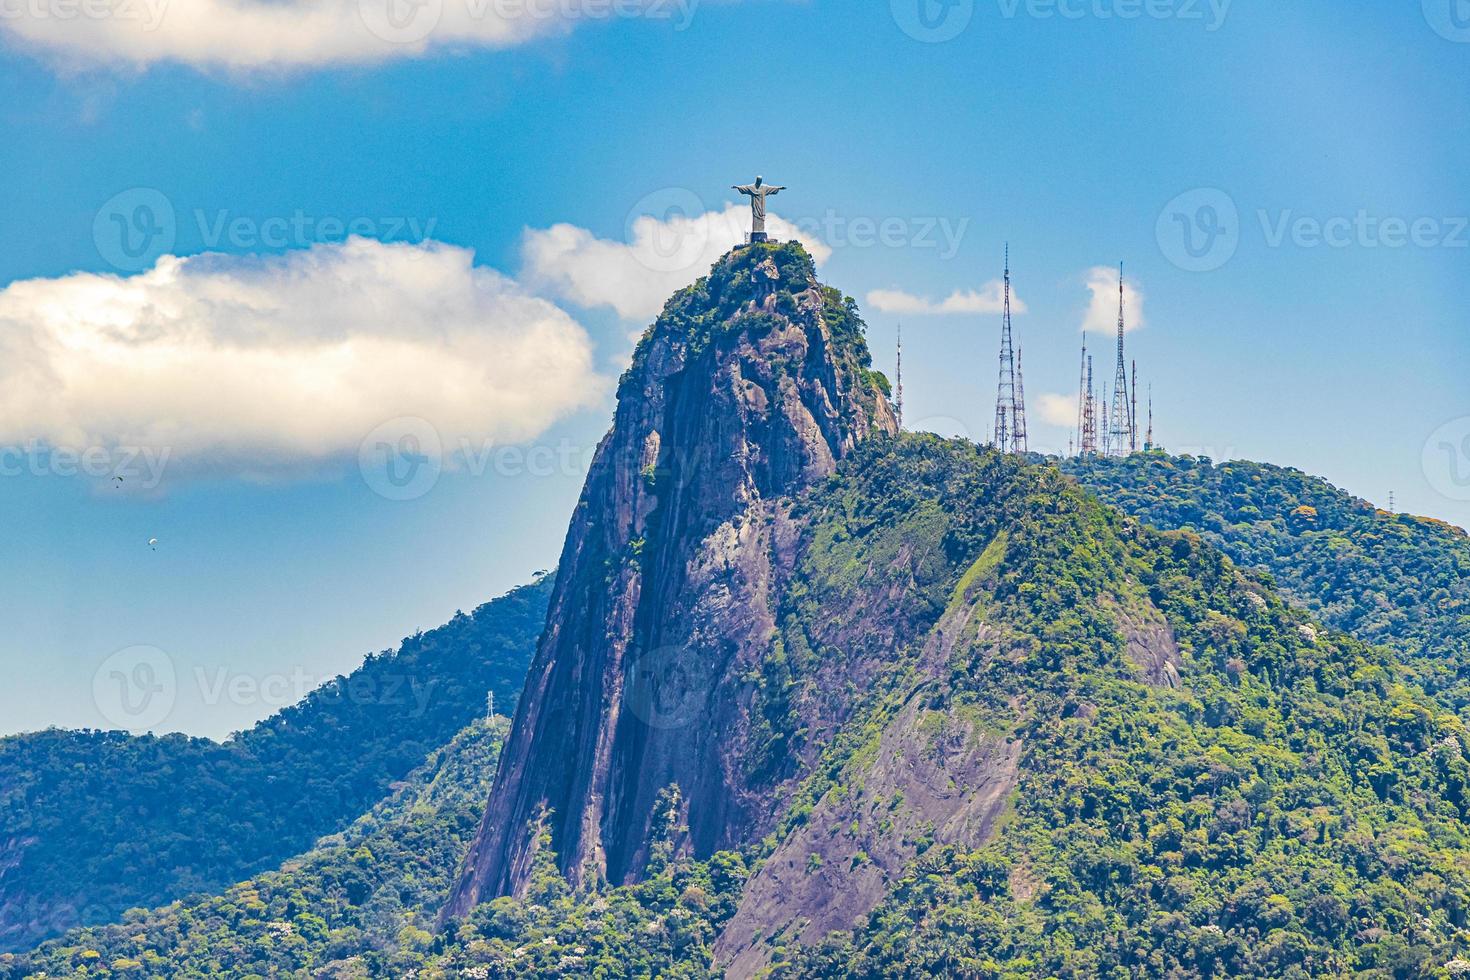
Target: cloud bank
295,34
990,298
636,277
252,365
1060,410
1102,311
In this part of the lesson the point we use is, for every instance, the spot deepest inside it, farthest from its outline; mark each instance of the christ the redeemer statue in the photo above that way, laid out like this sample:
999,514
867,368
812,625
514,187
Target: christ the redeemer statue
758,192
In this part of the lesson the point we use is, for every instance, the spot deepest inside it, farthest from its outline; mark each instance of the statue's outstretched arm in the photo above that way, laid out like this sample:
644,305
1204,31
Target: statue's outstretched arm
775,190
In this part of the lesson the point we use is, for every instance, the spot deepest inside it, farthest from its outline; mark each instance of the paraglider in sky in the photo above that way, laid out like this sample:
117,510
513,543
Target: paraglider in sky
153,543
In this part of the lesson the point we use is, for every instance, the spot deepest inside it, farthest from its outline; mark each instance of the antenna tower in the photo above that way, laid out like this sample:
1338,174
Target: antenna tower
1018,423
1148,442
898,402
1082,398
1089,415
1120,423
1010,421
1133,413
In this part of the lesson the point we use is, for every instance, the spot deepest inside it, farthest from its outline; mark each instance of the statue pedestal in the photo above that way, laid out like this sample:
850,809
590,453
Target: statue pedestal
756,236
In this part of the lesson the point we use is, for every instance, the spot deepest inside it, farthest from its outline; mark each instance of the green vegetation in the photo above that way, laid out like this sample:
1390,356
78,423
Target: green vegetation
1296,807
360,903
98,822
1385,578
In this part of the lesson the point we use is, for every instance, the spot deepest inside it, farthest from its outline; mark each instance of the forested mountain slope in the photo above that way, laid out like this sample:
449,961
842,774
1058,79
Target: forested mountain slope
93,823
360,901
1385,578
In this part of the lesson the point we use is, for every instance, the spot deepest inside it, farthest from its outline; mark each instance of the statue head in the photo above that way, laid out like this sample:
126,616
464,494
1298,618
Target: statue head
759,180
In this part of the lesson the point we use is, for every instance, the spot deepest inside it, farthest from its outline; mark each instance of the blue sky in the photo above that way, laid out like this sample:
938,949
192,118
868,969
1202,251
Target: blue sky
1325,327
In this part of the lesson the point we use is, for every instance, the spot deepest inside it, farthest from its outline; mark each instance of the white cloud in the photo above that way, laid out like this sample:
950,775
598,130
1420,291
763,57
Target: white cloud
253,365
286,34
1102,311
988,299
1058,410
636,278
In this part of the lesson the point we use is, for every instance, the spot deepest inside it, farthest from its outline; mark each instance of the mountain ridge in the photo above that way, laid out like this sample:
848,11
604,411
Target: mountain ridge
752,382
93,823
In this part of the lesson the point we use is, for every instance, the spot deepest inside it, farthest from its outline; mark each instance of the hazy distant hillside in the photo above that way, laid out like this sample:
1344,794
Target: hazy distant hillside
346,906
92,823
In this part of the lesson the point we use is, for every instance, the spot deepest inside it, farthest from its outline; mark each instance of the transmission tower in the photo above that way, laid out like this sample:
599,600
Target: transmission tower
1005,398
1082,397
898,400
1120,422
1088,438
1148,442
1133,413
1018,423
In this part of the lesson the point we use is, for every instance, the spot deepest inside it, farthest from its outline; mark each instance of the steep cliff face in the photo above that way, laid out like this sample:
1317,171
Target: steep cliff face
750,387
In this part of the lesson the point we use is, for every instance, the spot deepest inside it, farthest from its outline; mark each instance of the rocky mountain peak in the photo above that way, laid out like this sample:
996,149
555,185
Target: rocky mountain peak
751,386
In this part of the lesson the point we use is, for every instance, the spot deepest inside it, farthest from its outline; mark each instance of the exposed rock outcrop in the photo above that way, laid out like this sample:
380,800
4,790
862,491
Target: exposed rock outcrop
750,387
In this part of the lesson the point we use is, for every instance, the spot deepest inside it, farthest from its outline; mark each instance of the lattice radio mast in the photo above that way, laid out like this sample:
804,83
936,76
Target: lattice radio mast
1005,398
1133,413
898,400
1120,429
1018,423
1088,438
